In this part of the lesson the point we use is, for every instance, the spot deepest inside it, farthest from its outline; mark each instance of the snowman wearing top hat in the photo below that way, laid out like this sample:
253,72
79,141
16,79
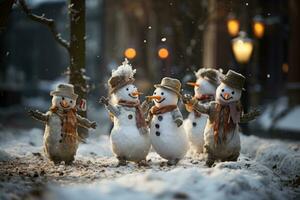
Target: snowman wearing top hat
204,91
60,137
221,134
130,135
167,134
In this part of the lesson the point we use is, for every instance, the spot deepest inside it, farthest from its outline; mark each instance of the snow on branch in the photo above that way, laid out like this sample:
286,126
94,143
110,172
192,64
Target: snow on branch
43,20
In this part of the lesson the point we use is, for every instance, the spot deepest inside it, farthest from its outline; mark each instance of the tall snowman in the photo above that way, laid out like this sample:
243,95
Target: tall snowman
130,135
204,91
221,134
167,134
60,137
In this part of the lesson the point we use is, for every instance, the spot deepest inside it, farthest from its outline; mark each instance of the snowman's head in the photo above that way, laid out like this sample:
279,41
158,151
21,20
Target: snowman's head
164,97
127,93
203,86
63,102
226,94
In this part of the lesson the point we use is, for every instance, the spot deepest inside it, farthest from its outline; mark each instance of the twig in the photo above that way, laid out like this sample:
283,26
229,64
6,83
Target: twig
48,22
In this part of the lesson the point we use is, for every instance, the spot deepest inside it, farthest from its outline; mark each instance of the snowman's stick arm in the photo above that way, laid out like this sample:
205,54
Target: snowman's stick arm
202,108
84,122
35,114
113,110
245,118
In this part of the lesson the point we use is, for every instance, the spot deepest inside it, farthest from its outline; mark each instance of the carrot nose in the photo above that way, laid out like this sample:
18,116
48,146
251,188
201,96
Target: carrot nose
154,97
193,84
226,96
64,103
136,93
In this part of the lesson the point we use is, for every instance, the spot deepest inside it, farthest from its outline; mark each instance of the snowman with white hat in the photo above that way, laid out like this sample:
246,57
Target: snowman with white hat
60,137
130,135
204,91
221,134
167,134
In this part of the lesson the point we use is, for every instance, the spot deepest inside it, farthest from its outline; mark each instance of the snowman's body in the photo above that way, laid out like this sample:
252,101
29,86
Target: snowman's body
194,127
228,149
128,142
54,147
168,140
195,123
126,139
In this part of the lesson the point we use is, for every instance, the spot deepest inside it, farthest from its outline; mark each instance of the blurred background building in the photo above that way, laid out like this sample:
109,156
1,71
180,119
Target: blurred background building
161,38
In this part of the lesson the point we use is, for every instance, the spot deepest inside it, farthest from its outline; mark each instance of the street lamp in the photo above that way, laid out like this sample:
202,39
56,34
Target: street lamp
233,25
258,26
242,47
130,53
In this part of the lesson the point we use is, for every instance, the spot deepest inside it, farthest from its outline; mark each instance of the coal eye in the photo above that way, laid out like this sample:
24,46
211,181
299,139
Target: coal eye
127,89
154,92
162,93
223,90
232,92
71,101
63,98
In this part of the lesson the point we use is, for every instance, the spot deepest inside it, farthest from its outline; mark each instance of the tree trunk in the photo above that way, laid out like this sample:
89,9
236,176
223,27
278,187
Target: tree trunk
77,54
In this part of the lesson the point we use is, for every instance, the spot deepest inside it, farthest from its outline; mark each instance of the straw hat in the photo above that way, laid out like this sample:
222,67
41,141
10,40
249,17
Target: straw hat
64,89
171,84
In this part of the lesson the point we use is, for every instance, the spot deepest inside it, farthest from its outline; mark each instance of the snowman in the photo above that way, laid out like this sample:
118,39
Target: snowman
204,91
130,135
167,134
60,137
221,134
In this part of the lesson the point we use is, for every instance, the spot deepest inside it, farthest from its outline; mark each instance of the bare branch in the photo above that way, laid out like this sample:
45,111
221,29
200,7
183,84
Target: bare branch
48,22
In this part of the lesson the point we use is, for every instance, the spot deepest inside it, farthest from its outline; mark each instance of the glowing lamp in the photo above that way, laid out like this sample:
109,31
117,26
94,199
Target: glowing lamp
242,47
233,26
258,27
163,53
130,53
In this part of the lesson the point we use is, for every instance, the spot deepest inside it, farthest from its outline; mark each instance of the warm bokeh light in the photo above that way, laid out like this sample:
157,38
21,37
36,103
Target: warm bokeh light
163,53
130,53
285,67
233,27
242,48
258,29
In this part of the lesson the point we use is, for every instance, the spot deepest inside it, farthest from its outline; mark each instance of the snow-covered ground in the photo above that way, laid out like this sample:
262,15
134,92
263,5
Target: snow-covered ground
267,169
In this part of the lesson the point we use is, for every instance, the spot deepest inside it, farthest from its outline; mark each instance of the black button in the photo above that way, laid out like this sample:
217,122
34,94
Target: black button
60,141
160,118
157,133
194,124
156,125
129,116
61,135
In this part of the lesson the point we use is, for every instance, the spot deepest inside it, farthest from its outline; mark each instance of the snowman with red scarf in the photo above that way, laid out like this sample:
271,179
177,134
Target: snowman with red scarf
221,134
130,135
204,91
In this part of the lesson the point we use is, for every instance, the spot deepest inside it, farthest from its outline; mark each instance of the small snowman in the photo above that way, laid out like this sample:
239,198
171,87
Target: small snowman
204,91
130,135
60,137
167,134
221,134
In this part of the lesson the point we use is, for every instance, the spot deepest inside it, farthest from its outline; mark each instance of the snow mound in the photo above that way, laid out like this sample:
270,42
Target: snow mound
193,183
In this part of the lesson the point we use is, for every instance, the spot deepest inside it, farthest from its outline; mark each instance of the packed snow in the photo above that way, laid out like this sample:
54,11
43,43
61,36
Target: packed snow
266,169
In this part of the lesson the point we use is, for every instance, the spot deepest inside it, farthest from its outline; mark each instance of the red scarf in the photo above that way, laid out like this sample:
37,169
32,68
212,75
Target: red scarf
203,99
139,115
69,124
230,114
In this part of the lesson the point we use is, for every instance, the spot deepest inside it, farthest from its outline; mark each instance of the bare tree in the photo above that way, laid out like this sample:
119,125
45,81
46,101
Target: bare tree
75,47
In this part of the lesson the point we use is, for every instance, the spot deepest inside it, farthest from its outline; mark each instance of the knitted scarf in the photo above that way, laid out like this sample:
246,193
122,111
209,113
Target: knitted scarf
228,114
139,115
156,110
69,124
203,99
